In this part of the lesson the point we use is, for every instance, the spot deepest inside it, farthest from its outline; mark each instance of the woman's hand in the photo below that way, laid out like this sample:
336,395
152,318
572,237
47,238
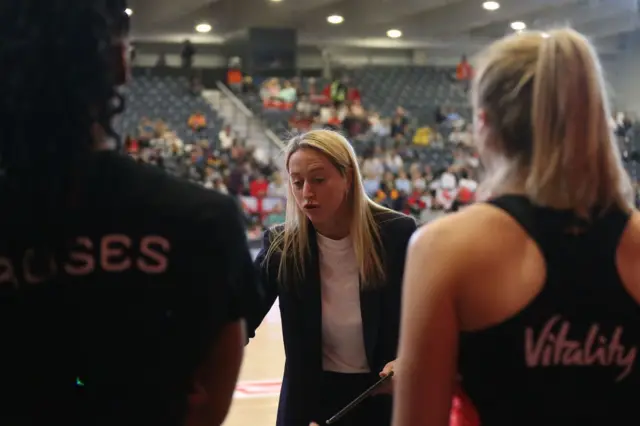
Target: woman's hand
387,387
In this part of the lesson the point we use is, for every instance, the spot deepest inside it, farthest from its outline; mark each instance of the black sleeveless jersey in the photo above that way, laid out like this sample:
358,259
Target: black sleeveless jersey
570,356
111,331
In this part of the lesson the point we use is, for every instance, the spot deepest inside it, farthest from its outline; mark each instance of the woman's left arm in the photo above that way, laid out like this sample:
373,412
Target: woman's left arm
427,361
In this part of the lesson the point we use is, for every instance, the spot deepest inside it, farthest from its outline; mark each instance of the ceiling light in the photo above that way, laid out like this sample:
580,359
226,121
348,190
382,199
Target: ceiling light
276,1
518,26
128,11
335,19
491,5
394,33
203,28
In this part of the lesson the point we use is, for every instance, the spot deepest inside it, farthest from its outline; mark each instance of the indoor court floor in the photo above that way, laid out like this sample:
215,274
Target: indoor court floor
255,401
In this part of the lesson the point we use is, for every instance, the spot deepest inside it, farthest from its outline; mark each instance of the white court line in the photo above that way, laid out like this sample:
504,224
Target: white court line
258,389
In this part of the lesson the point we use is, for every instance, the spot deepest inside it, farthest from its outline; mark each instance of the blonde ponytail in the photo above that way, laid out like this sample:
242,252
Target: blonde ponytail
552,121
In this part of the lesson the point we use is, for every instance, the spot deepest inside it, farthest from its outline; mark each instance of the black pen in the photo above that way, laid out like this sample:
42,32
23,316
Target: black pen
350,406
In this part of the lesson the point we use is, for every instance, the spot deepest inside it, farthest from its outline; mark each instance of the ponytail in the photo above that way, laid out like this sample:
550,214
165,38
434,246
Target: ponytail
569,120
552,122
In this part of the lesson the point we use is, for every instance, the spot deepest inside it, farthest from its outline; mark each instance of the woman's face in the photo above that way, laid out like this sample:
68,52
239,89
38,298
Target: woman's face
319,189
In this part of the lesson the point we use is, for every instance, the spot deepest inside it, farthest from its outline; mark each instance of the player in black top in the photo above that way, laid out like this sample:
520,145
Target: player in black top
532,298
119,285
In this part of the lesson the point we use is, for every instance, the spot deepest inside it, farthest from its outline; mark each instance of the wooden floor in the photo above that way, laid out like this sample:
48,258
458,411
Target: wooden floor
256,398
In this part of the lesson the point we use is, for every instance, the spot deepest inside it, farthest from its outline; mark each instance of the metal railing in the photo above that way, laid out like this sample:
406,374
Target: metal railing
243,118
239,115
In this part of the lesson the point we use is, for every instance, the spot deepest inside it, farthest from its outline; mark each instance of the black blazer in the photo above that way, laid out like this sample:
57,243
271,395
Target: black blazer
301,314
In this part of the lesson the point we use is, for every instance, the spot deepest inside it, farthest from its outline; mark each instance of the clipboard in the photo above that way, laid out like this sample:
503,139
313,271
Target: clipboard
353,404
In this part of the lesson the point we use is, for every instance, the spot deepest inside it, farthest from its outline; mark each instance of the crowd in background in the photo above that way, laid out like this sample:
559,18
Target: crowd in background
227,165
390,175
224,164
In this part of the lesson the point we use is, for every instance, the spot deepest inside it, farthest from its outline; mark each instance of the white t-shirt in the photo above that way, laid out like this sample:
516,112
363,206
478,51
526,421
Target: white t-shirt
448,181
226,140
469,184
325,114
394,163
372,167
343,348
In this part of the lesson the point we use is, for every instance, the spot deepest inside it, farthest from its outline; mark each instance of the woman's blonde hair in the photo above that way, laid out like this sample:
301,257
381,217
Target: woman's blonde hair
292,242
545,102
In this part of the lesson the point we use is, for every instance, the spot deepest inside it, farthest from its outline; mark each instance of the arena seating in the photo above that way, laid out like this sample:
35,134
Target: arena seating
419,90
167,99
630,146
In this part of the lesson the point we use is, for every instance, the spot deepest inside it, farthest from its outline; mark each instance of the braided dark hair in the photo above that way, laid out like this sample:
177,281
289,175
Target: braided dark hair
57,85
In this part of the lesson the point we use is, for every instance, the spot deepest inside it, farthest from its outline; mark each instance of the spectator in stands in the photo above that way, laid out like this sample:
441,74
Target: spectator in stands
388,182
372,164
623,124
333,122
234,75
338,92
357,110
187,54
247,85
304,107
453,118
218,185
277,186
354,123
448,179
466,188
464,73
146,129
403,183
276,217
463,70
399,124
428,173
418,181
371,184
377,125
238,177
160,129
423,136
516,317
197,122
270,90
393,161
353,94
131,145
332,241
456,136
288,93
209,176
259,187
225,138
